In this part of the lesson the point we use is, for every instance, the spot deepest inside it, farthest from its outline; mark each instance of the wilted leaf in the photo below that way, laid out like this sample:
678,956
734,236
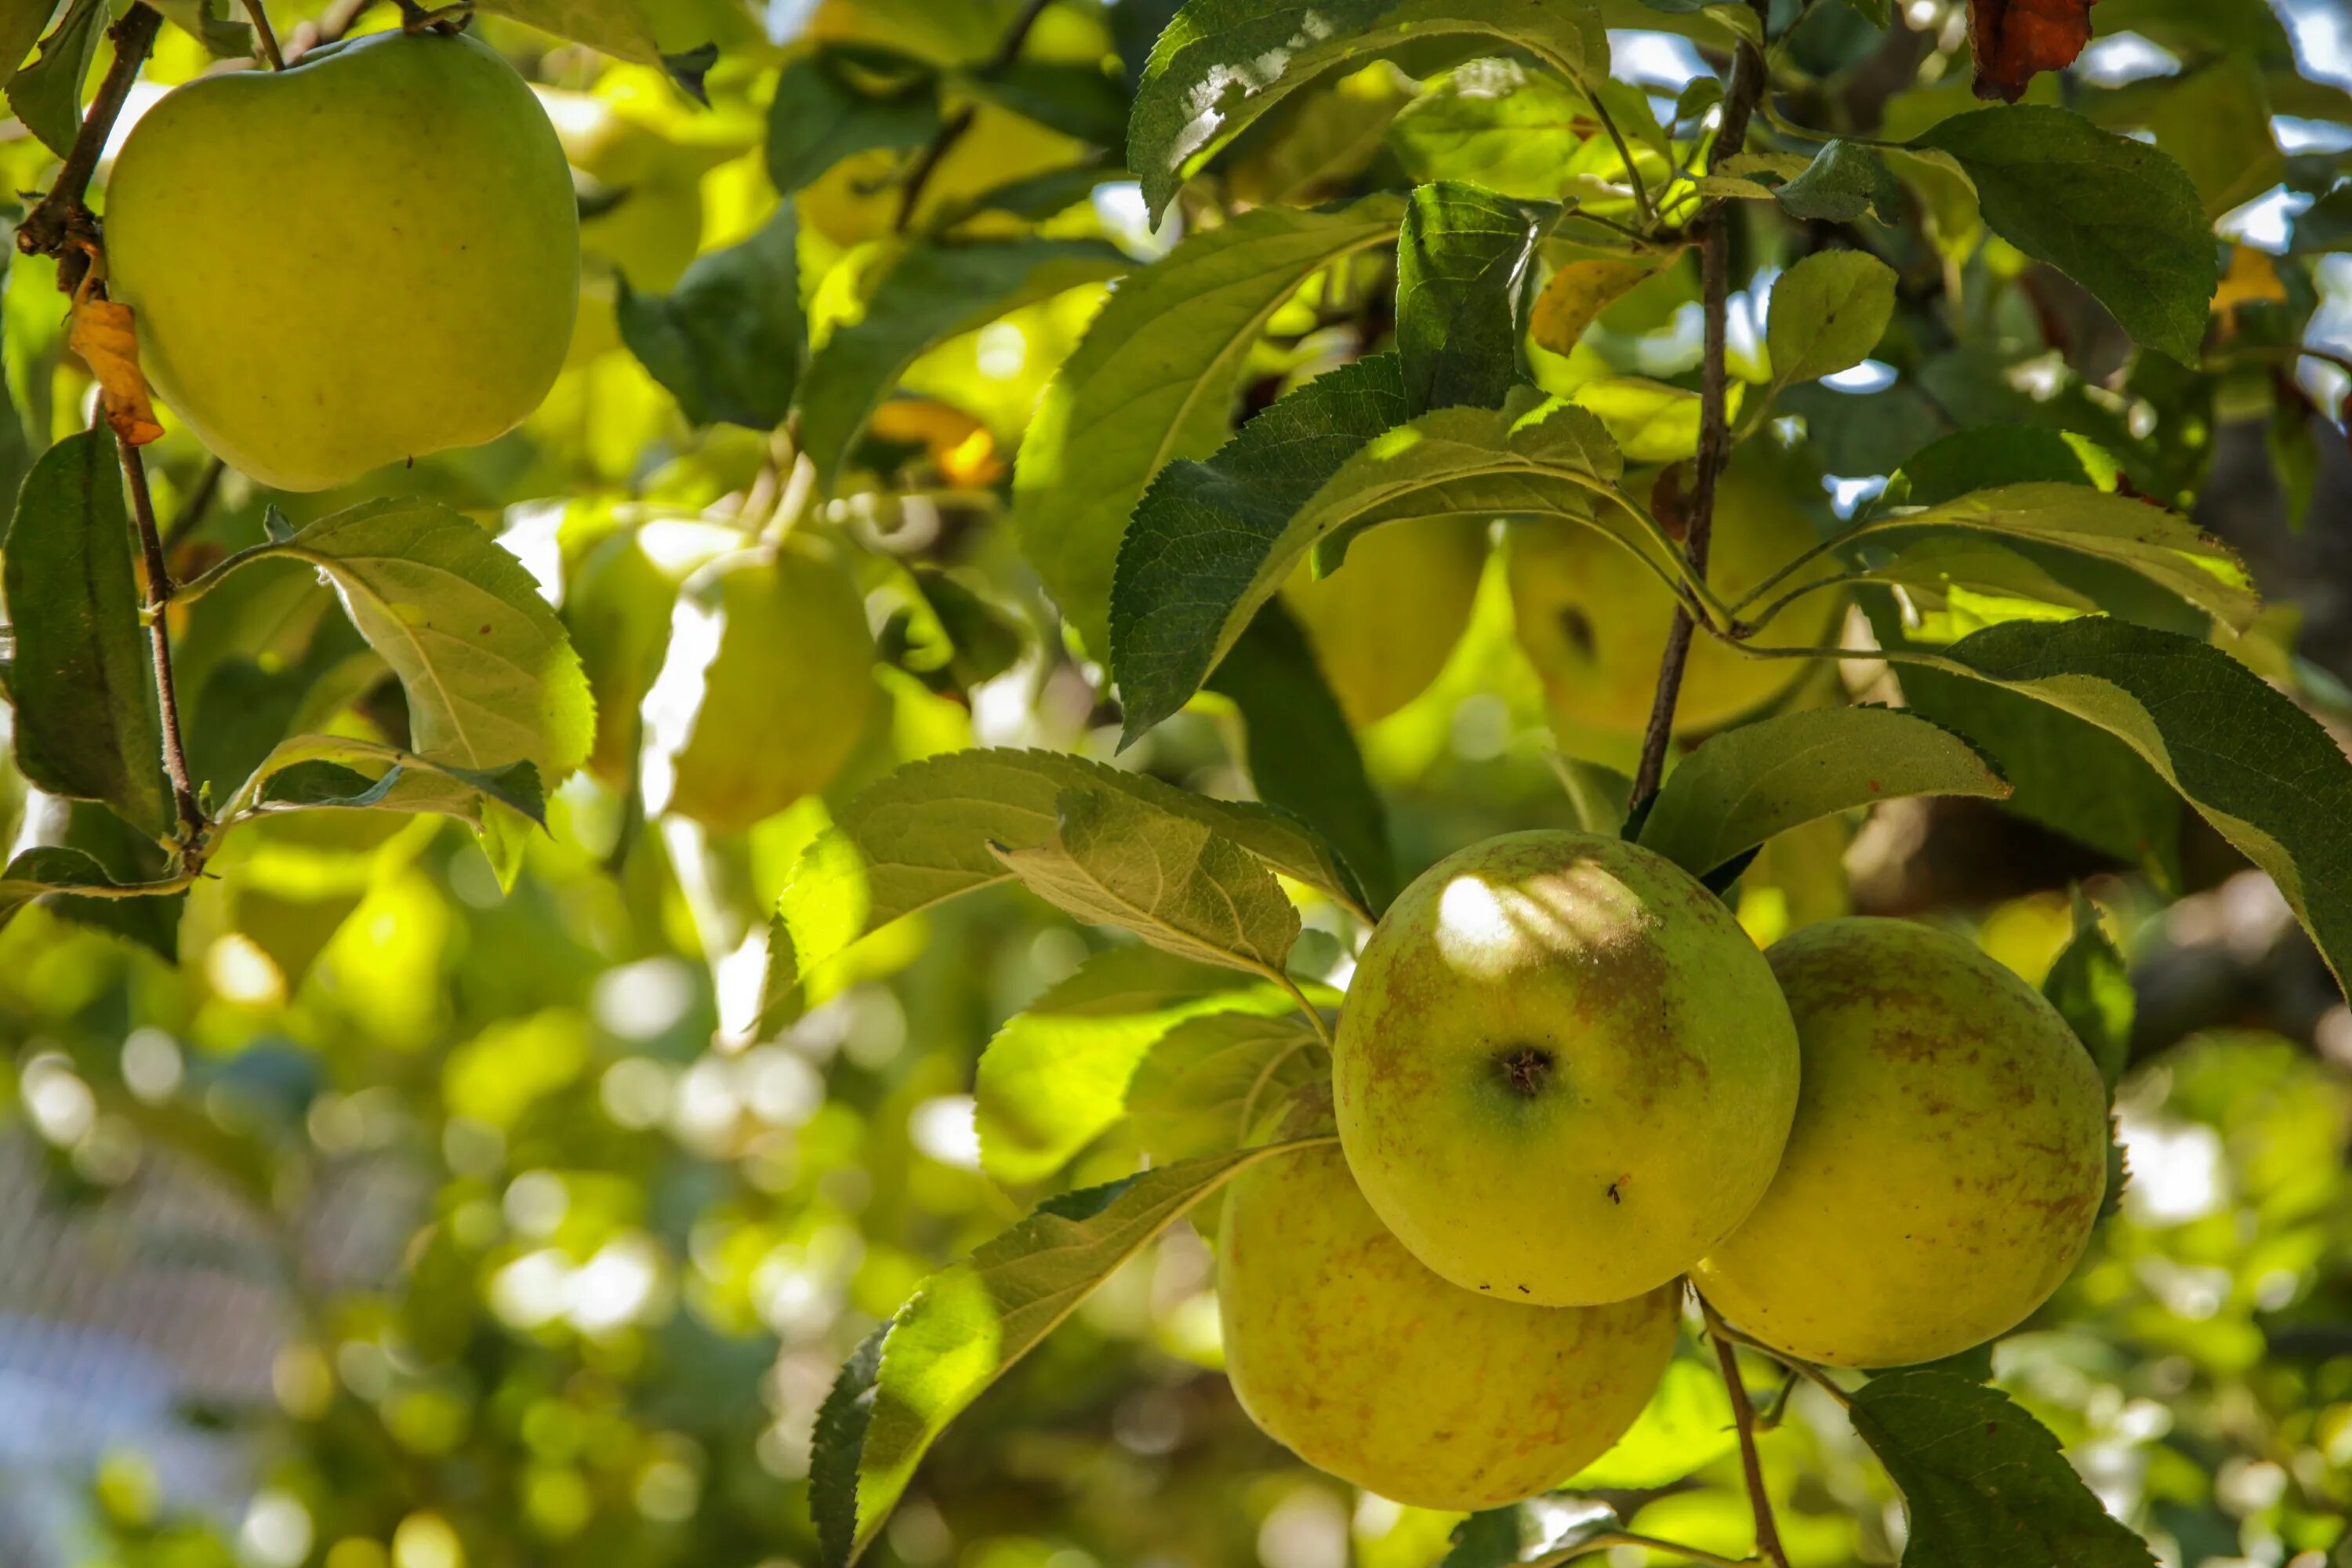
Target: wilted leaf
1578,293
105,337
2011,41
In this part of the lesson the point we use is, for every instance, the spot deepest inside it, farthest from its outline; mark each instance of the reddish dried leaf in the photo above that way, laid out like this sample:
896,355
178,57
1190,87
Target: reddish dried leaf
2013,39
103,334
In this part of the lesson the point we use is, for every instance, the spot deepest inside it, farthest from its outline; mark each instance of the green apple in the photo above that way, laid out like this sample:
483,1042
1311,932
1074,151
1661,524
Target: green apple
1593,619
766,689
372,255
1364,1363
1385,623
1947,1163
1563,1073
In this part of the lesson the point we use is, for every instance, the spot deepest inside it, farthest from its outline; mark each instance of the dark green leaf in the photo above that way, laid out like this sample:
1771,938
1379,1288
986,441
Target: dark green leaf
2091,986
84,678
838,1441
688,66
1302,755
1222,63
1492,1539
130,858
824,113
1985,1485
1846,181
2116,216
46,94
44,870
1076,99
1460,262
936,292
728,342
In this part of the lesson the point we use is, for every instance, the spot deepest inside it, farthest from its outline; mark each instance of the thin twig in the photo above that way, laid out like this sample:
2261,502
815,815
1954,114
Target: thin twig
927,162
62,217
158,642
1743,1414
1608,1538
270,49
1747,78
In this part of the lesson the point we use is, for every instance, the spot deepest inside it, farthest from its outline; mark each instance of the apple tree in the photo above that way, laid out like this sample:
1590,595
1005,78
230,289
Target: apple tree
766,766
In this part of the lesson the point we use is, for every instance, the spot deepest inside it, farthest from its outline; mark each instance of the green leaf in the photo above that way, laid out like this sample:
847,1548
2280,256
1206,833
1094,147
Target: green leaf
1203,1084
46,94
1302,756
147,911
1055,1077
1844,181
2116,216
2257,767
84,681
823,112
2214,121
490,676
1960,585
1177,884
1213,542
922,835
1985,1485
622,28
937,290
1496,124
1073,96
21,22
1222,63
1460,262
964,1326
1828,313
1491,1538
1650,421
39,871
1154,381
728,340
1739,788
836,1446
313,772
2158,545
207,22
2090,985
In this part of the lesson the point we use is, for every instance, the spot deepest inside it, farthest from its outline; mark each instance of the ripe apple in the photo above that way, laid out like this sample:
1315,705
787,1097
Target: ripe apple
1364,1363
1948,1158
1563,1073
1384,624
368,255
1594,620
766,689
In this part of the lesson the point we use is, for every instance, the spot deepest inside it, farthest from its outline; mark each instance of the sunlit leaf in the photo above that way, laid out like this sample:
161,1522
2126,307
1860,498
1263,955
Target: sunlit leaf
1201,1085
1828,313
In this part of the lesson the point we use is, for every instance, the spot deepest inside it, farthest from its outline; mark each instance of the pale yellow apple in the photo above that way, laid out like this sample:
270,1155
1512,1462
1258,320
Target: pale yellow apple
1564,1072
1947,1163
1593,619
1365,1364
1385,623
768,684
372,255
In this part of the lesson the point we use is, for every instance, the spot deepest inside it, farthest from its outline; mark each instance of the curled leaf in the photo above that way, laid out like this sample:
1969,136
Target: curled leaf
103,335
2012,40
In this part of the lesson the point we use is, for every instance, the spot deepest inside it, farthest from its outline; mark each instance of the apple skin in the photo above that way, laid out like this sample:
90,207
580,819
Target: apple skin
1364,1363
1947,1161
372,255
792,682
1563,1073
1594,620
1383,624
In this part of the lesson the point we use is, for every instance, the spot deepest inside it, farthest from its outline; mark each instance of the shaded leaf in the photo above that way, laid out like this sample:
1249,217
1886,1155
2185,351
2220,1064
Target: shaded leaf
1056,1075
83,676
2116,216
1174,881
964,1326
2090,985
1459,262
313,772
1203,1084
936,291
1154,380
728,340
1844,181
1739,788
49,869
622,28
1985,1485
46,94
1222,63
823,111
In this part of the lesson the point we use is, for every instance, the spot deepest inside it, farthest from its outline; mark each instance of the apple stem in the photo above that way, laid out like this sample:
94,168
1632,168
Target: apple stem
268,39
1740,99
1743,1416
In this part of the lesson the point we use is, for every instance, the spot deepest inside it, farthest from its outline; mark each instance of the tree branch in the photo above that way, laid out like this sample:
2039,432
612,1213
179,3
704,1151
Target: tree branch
63,216
1743,1413
1747,79
926,162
